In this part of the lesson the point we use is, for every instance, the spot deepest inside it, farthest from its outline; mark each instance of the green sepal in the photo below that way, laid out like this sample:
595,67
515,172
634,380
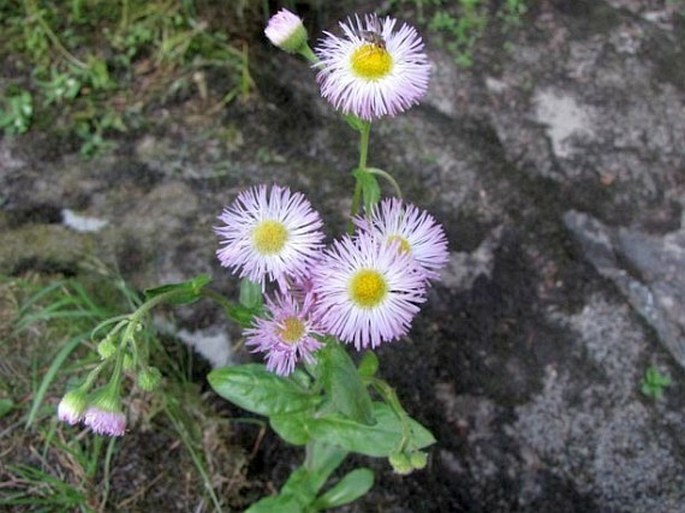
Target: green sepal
183,293
343,384
371,191
255,389
351,487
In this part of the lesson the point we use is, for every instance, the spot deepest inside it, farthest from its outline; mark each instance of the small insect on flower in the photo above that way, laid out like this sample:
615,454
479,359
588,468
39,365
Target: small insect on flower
373,37
372,34
374,69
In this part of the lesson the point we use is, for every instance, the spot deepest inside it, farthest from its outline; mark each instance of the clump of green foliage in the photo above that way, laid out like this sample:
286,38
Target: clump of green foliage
46,329
654,383
92,66
459,25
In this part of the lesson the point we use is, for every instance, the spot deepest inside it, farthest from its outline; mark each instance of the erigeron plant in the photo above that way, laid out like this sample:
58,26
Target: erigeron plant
302,303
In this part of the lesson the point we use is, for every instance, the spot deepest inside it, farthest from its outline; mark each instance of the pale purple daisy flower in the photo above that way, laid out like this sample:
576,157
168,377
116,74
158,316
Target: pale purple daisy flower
104,415
269,235
367,293
72,407
285,30
287,336
414,230
373,70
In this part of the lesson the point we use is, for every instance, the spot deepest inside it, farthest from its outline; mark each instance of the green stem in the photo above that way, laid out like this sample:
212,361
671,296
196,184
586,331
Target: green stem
364,132
34,12
124,16
306,52
388,177
390,397
215,296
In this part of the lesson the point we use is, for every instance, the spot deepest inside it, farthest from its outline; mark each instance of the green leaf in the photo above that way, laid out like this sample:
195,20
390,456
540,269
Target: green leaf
278,503
181,293
354,485
6,406
250,294
322,460
371,191
299,486
343,384
292,427
255,389
295,496
379,440
241,315
369,365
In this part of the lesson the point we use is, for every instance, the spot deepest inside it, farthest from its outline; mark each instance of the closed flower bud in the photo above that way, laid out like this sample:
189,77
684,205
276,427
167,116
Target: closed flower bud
104,415
149,379
400,463
72,406
107,348
128,362
418,460
285,30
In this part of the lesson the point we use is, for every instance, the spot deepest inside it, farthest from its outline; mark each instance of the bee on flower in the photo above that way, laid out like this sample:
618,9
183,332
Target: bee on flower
375,69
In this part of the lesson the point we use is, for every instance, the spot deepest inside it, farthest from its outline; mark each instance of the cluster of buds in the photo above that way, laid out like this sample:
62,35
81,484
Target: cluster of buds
101,410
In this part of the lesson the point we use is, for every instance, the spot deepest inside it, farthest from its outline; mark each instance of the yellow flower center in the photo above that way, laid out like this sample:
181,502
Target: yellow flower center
371,61
368,288
269,237
404,245
292,330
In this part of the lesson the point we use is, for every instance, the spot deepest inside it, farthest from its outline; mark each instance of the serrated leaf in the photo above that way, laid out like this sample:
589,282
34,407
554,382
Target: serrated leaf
353,485
343,384
255,389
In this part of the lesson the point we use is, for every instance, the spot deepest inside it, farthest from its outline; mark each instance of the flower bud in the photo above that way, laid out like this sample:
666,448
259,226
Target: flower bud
72,406
285,30
107,348
128,362
400,463
418,460
104,415
149,379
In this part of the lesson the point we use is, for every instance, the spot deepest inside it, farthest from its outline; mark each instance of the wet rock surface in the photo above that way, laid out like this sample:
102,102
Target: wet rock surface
557,167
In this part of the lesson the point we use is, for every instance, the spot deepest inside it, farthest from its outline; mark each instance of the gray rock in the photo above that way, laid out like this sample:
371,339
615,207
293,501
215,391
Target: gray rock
648,269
